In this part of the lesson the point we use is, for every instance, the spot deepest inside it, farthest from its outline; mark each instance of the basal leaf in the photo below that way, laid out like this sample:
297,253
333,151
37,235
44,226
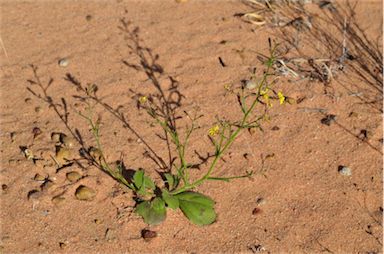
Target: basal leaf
153,212
138,178
197,207
170,200
148,183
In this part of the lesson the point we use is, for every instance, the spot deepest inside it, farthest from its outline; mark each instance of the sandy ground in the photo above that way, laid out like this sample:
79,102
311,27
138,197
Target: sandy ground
308,207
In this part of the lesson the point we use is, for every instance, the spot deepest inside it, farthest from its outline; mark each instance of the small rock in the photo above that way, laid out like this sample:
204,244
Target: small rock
45,212
260,201
34,194
13,136
63,62
38,109
46,185
275,128
97,221
345,171
39,177
353,114
56,136
95,153
363,135
36,132
57,200
328,119
250,84
28,100
256,248
109,234
27,153
4,187
256,211
62,245
63,155
85,193
73,176
148,234
68,141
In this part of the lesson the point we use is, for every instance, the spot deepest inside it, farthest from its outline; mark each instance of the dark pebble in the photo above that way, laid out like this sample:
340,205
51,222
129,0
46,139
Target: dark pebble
256,211
328,119
148,234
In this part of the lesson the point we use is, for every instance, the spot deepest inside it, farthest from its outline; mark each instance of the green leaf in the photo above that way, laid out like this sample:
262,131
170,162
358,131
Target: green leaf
197,207
148,183
170,200
138,178
153,212
170,180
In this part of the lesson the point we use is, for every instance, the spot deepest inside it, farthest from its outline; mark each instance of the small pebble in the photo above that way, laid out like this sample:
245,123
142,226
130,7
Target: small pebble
328,119
36,132
27,153
39,177
38,109
250,84
260,201
109,234
363,135
148,234
62,245
63,62
45,212
47,185
56,136
13,136
34,194
256,211
98,221
88,17
27,100
345,171
275,128
95,153
353,114
4,187
63,155
85,193
57,200
73,176
68,141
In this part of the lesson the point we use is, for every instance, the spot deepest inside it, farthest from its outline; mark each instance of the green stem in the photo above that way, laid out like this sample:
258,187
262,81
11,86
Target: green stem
233,136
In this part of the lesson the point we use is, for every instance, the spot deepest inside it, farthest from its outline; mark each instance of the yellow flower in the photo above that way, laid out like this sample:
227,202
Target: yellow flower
267,101
264,92
214,130
143,99
281,97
